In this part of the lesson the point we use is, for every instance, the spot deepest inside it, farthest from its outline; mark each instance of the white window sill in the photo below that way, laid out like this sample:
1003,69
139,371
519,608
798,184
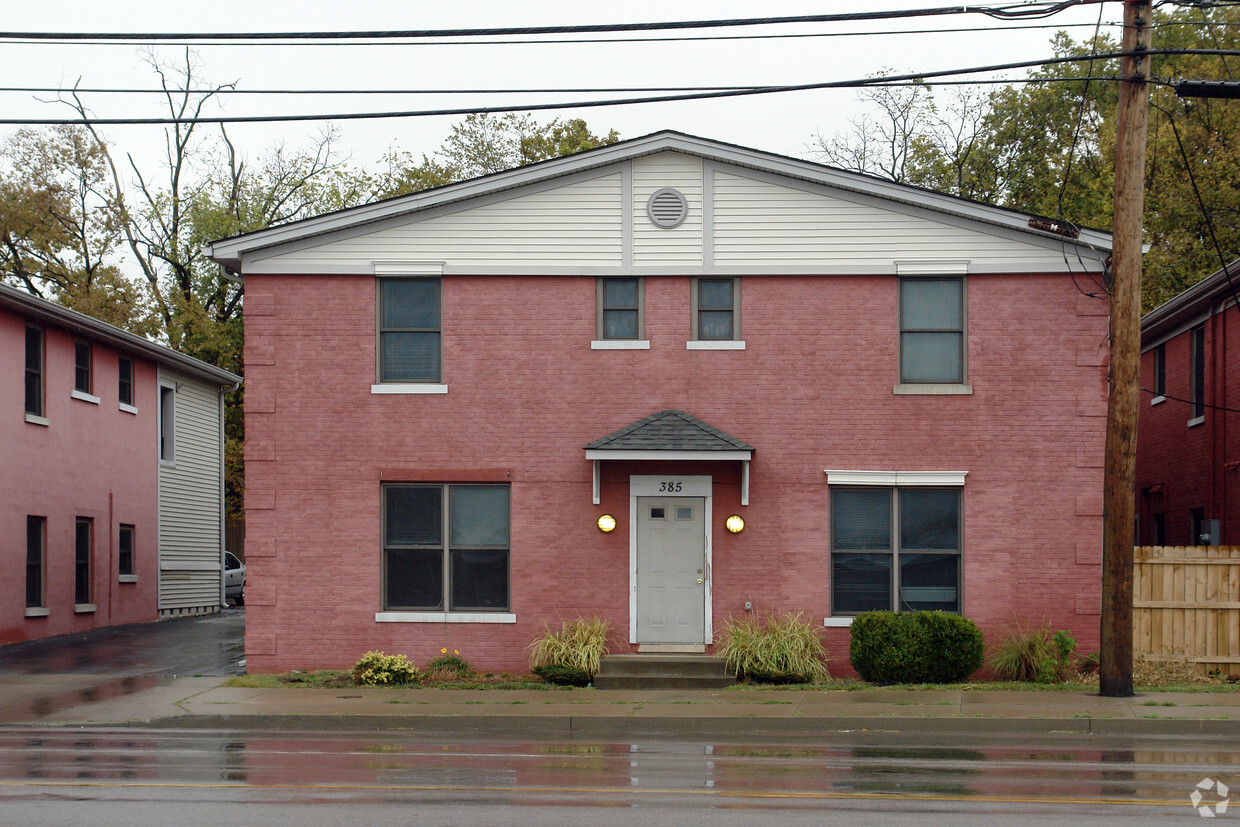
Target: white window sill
168,463
1158,400
84,397
444,617
35,419
933,390
408,389
37,611
837,622
83,608
1200,420
126,578
720,345
127,408
620,344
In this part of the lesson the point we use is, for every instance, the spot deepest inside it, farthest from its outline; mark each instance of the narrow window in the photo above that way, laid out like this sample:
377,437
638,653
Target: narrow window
124,556
1197,372
1160,529
34,371
620,313
36,548
462,568
932,331
167,423
1160,371
716,310
81,366
124,390
409,330
82,561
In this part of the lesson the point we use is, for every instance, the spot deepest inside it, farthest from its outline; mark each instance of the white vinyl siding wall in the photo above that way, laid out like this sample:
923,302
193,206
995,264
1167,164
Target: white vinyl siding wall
655,246
191,536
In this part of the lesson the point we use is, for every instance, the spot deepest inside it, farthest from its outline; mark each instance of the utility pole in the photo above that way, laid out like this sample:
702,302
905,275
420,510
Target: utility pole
1124,394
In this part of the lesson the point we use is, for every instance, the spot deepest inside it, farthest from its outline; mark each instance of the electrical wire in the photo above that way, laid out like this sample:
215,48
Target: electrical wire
1191,402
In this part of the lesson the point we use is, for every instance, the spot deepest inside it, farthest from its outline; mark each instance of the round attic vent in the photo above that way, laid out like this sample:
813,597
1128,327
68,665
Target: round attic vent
667,208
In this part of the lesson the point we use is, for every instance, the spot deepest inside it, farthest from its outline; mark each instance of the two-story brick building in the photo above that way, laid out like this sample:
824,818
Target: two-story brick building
111,493
1188,455
666,382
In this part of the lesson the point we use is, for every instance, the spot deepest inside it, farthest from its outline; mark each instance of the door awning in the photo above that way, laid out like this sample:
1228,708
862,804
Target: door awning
671,435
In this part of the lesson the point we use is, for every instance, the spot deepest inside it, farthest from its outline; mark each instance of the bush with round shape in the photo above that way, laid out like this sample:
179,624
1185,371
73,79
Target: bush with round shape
378,669
915,647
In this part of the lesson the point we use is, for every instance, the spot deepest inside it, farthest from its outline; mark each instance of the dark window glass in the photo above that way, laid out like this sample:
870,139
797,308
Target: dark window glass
81,366
409,330
932,330
860,583
82,561
621,309
167,423
1160,530
36,532
414,516
1160,370
860,519
716,308
479,579
124,557
34,371
1197,374
929,519
414,579
125,386
929,582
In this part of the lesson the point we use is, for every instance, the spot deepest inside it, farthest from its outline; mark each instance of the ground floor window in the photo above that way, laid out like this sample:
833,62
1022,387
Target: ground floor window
36,537
895,549
445,547
84,553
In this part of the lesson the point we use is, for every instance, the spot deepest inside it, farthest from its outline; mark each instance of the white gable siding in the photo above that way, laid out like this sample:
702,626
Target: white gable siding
574,224
757,222
190,498
655,246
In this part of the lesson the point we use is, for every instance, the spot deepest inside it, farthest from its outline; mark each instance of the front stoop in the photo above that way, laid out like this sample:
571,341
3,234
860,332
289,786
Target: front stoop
670,671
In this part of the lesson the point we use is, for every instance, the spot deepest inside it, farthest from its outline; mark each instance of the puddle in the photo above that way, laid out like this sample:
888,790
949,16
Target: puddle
109,690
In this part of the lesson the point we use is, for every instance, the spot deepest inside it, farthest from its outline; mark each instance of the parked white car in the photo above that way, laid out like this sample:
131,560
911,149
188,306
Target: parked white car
234,578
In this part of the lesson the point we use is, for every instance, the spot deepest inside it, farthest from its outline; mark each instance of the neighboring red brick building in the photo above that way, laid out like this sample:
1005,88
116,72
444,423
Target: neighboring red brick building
111,489
1188,453
453,395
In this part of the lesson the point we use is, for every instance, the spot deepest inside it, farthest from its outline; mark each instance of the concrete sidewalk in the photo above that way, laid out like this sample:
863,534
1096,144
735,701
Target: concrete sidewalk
94,700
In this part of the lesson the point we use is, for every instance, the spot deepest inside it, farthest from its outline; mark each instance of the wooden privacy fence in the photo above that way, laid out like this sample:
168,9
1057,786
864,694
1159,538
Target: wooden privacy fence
1186,605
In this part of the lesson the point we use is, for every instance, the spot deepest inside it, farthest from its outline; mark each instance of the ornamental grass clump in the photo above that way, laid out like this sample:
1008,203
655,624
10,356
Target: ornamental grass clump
1035,656
448,667
782,649
571,655
378,669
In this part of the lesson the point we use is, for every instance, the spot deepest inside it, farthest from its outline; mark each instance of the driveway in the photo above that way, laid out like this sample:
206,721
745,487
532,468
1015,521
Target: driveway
209,646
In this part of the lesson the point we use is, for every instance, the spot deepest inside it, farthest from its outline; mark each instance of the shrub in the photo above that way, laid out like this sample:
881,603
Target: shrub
378,669
448,667
562,675
1035,657
784,649
579,644
915,647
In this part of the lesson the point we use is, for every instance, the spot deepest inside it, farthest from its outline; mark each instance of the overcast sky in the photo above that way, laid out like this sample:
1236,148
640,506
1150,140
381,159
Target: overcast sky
781,123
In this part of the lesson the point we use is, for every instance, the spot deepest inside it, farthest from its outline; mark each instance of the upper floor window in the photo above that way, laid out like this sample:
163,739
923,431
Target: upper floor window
34,371
410,345
932,330
1197,373
82,366
124,390
167,423
1160,371
620,308
716,310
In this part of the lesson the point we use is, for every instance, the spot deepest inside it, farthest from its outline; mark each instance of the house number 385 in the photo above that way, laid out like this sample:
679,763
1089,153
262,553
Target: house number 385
670,487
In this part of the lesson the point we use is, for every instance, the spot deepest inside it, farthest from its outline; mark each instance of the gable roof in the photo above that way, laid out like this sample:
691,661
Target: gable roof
669,430
73,321
231,252
1192,304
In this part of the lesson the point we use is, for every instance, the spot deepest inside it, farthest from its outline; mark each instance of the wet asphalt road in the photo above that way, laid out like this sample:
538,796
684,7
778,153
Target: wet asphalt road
136,776
211,646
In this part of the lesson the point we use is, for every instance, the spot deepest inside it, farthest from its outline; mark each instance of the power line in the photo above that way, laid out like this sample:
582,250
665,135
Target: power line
1007,12
581,104
1191,402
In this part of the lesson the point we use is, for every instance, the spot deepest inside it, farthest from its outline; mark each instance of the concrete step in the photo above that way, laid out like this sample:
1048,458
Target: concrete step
662,671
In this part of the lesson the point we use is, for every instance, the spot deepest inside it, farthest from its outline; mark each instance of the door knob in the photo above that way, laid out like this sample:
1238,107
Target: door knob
699,580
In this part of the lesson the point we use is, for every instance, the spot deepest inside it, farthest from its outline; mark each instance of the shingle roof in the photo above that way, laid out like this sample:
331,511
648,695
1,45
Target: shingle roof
669,430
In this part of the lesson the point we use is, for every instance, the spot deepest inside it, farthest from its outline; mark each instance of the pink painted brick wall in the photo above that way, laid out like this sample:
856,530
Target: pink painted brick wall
92,461
812,391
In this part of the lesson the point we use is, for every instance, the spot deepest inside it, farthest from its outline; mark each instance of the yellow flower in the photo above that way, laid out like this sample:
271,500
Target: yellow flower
443,651
456,651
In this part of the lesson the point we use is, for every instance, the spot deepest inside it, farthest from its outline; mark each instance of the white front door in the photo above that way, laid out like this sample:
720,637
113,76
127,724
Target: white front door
671,570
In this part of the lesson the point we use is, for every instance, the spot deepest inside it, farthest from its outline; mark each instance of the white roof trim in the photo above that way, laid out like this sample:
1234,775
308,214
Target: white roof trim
889,478
408,268
230,251
612,453
928,267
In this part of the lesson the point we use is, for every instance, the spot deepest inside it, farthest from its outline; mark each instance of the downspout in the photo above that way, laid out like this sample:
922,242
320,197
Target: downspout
111,553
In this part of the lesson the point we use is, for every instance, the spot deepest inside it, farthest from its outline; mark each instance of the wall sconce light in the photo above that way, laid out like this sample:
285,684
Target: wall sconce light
735,524
607,524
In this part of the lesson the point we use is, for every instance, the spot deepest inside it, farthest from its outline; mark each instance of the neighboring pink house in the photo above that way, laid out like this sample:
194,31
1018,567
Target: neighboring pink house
111,493
561,390
1188,449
